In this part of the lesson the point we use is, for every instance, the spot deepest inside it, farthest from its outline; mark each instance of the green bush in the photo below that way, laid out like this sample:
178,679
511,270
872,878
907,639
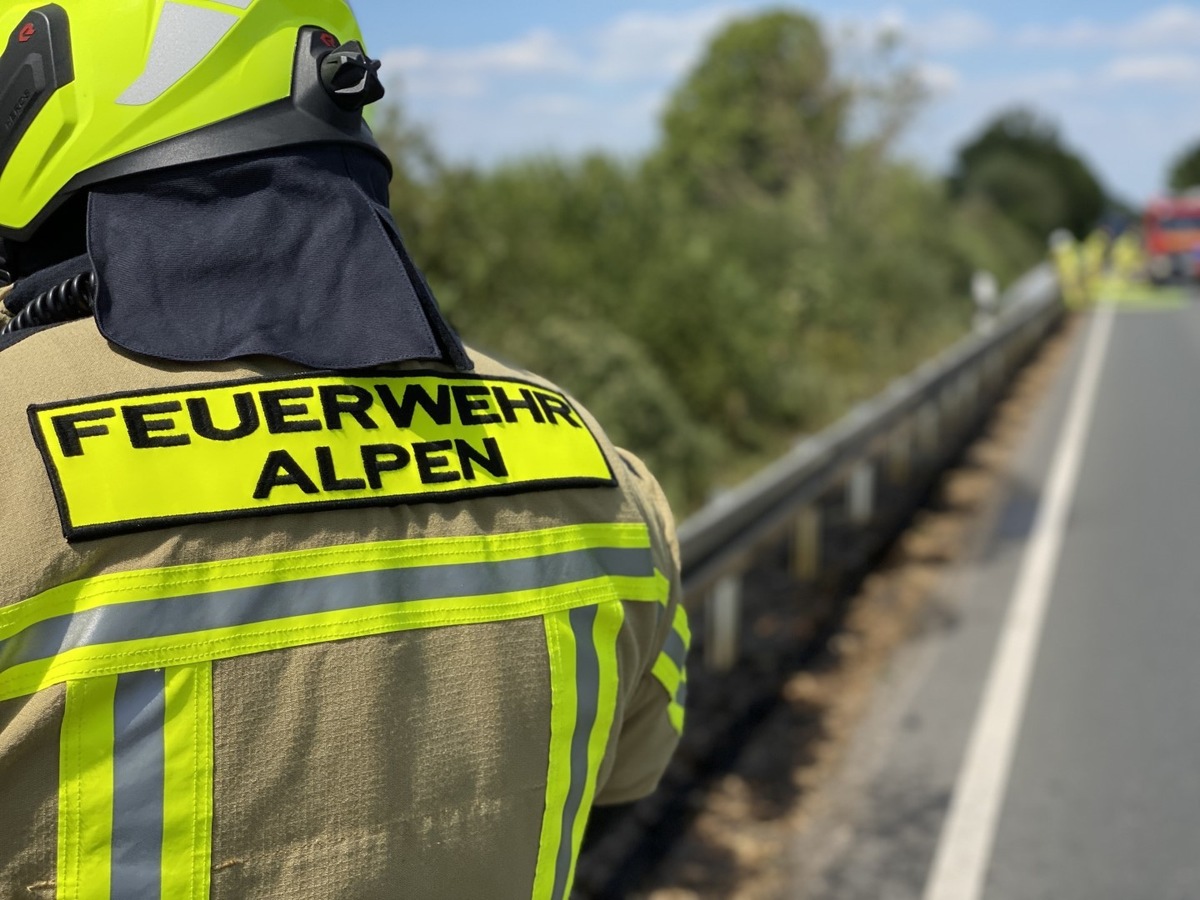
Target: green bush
709,304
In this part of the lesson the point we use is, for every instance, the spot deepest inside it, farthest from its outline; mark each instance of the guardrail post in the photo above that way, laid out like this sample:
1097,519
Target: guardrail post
946,408
806,544
974,391
724,623
860,494
993,372
964,400
900,454
928,426
952,404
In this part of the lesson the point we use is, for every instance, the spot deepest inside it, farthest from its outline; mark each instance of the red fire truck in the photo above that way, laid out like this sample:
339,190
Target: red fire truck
1171,231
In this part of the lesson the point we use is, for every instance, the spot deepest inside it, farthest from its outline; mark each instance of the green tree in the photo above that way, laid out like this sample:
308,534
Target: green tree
764,268
1019,164
759,109
1185,170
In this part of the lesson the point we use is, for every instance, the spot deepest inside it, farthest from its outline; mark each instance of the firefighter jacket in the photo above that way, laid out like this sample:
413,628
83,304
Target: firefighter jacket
275,632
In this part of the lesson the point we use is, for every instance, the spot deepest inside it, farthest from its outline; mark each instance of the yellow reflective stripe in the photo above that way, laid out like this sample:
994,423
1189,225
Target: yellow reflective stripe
277,634
156,626
85,791
676,709
560,649
681,627
670,667
223,575
188,789
135,786
668,674
674,680
582,648
609,619
664,590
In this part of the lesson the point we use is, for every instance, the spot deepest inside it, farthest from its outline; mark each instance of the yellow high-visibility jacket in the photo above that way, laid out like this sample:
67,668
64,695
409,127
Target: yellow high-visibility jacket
273,633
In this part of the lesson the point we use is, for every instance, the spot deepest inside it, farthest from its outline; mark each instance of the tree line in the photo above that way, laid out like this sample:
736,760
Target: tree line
768,263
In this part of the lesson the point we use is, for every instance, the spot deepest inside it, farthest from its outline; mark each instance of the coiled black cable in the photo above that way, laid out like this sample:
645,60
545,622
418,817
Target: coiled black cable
73,299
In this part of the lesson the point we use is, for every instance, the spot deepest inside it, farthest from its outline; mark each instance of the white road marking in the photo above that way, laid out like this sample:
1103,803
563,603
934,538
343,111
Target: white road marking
964,851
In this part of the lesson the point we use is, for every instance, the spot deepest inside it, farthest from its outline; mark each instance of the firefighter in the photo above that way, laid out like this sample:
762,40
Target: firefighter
1072,276
302,598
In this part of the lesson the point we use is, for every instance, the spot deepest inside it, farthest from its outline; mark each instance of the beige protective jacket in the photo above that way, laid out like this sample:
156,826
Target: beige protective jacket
317,636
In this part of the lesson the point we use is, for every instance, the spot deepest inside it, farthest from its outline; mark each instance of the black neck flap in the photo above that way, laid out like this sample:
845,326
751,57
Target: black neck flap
293,255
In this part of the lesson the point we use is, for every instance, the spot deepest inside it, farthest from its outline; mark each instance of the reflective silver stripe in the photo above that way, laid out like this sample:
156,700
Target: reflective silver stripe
675,649
587,702
185,35
681,694
332,593
241,4
139,766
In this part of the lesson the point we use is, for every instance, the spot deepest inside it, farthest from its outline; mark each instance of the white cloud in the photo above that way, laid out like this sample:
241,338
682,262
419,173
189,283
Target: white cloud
1165,27
432,81
552,106
552,91
1035,86
631,48
1176,25
955,32
465,72
938,78
950,32
1175,70
643,47
559,91
640,45
1072,35
538,51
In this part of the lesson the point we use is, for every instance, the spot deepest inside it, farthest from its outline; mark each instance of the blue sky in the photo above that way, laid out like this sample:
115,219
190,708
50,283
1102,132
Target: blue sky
497,80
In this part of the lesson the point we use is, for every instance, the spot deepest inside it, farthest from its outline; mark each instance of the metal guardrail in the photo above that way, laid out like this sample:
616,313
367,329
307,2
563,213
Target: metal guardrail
767,566
872,457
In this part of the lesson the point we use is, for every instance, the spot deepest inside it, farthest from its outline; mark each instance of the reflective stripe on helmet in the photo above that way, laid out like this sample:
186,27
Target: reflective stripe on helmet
185,35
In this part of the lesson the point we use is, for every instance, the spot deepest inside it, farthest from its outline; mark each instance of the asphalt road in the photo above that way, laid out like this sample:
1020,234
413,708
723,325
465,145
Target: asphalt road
1099,796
